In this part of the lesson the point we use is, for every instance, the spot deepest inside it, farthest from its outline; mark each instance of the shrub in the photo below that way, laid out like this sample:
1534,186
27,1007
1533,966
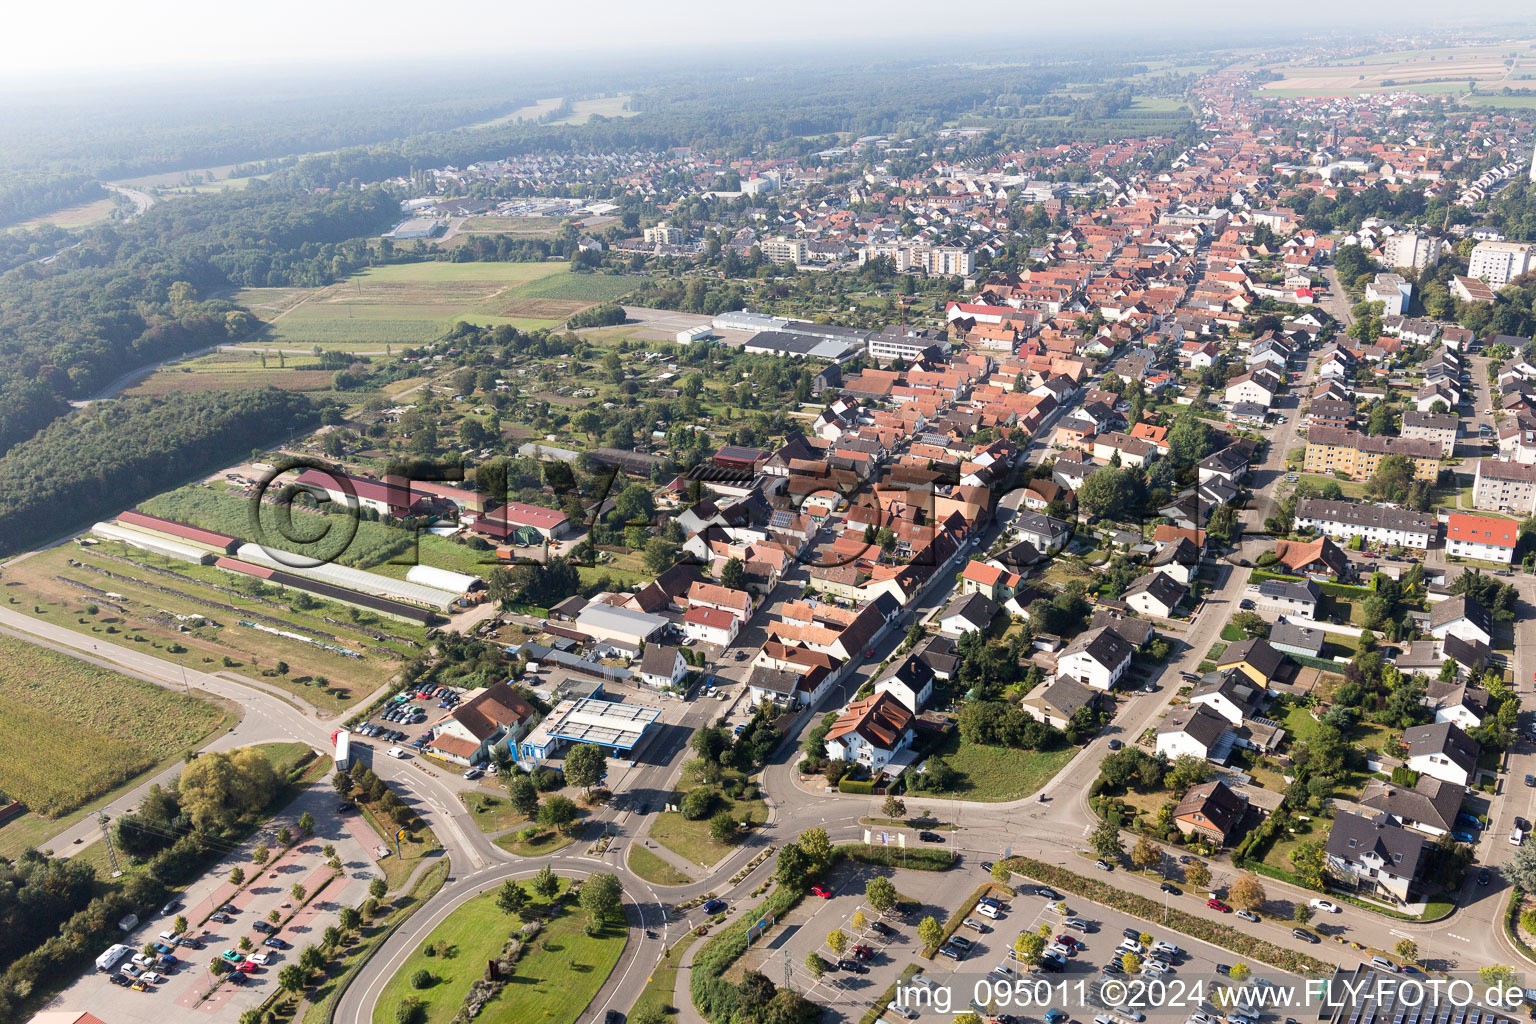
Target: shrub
421,979
864,787
698,803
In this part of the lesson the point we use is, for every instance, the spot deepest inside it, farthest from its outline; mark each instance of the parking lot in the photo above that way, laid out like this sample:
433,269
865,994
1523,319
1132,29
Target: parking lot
408,723
183,996
848,995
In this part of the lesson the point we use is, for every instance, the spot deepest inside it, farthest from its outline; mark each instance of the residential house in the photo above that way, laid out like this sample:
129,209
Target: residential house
1196,730
1355,455
871,732
1294,638
910,681
1155,594
1374,524
1057,702
1257,660
1210,811
1320,559
661,666
1443,751
1375,856
1481,537
498,717
967,613
1439,427
1501,486
1458,702
711,626
1430,806
1294,599
1098,657
1463,617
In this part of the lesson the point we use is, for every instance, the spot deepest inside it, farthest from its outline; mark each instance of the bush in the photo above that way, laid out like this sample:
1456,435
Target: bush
698,803
864,787
422,979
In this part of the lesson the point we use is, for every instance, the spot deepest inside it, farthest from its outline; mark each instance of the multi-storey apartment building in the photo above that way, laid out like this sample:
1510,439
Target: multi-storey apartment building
1356,455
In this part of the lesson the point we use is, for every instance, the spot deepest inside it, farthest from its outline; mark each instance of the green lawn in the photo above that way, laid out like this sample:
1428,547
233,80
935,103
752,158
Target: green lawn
653,869
997,773
543,843
690,839
557,978
1300,726
471,935
1349,488
491,813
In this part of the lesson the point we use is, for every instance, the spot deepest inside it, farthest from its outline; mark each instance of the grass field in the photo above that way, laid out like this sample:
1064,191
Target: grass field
72,731
554,981
653,869
71,217
413,303
691,840
544,842
997,773
236,370
491,813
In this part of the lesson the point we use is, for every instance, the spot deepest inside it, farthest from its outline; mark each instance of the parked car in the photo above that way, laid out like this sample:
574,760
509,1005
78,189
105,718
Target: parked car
713,907
880,928
1216,904
1046,892
1482,877
863,952
1325,906
1171,889
275,943
817,890
246,967
1248,915
1463,836
1115,744
974,925
1304,935
852,965
1103,865
930,837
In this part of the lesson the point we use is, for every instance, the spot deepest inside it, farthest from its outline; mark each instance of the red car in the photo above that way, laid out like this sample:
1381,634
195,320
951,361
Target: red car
1216,904
248,967
863,952
817,890
1069,942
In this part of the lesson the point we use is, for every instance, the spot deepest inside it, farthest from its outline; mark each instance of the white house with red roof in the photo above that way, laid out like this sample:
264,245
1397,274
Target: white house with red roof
1481,537
711,626
712,595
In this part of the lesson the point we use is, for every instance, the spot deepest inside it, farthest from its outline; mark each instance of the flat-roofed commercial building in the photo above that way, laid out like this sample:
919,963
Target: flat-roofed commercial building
618,728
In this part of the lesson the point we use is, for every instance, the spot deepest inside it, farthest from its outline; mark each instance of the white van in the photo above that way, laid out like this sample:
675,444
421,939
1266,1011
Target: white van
987,910
396,752
1516,837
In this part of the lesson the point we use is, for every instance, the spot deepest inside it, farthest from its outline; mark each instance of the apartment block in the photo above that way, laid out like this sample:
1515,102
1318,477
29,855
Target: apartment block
1356,455
1499,486
1498,263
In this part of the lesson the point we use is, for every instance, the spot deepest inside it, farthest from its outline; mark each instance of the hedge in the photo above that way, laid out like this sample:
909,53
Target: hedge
862,787
890,856
1141,907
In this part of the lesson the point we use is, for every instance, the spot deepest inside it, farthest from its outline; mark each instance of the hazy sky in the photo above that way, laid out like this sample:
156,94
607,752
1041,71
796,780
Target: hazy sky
62,38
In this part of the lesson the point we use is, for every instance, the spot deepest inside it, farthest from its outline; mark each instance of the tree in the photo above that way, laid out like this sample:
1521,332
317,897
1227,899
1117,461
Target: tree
967,1018
217,789
274,915
523,795
260,854
817,846
245,944
1198,874
894,807
290,978
585,765
1146,853
558,813
1105,841
1308,860
1301,913
311,959
284,836
1393,476
297,892
837,941
1496,975
237,875
722,827
219,967
858,921
794,868
600,897
733,574
331,937
930,932
421,978
307,823
350,919
1028,948
755,990
816,965
1238,972
1246,893
377,888
1223,528
546,883
1520,868
1130,963
410,1011
1001,874
660,555
1407,949
880,894
512,899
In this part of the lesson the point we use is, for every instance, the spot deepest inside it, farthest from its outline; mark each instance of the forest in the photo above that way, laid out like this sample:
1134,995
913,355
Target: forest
102,459
27,194
130,293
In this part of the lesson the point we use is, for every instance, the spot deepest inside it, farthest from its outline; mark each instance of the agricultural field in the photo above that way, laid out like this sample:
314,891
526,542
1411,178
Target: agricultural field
1437,71
232,370
72,731
408,304
80,216
184,619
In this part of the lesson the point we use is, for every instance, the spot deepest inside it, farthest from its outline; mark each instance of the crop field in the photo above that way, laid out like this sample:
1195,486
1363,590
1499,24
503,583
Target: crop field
218,630
509,225
413,303
72,731
607,106
1445,70
70,217
232,370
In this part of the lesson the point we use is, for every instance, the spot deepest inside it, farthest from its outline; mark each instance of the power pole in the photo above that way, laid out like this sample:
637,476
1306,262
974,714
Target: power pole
787,979
106,836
